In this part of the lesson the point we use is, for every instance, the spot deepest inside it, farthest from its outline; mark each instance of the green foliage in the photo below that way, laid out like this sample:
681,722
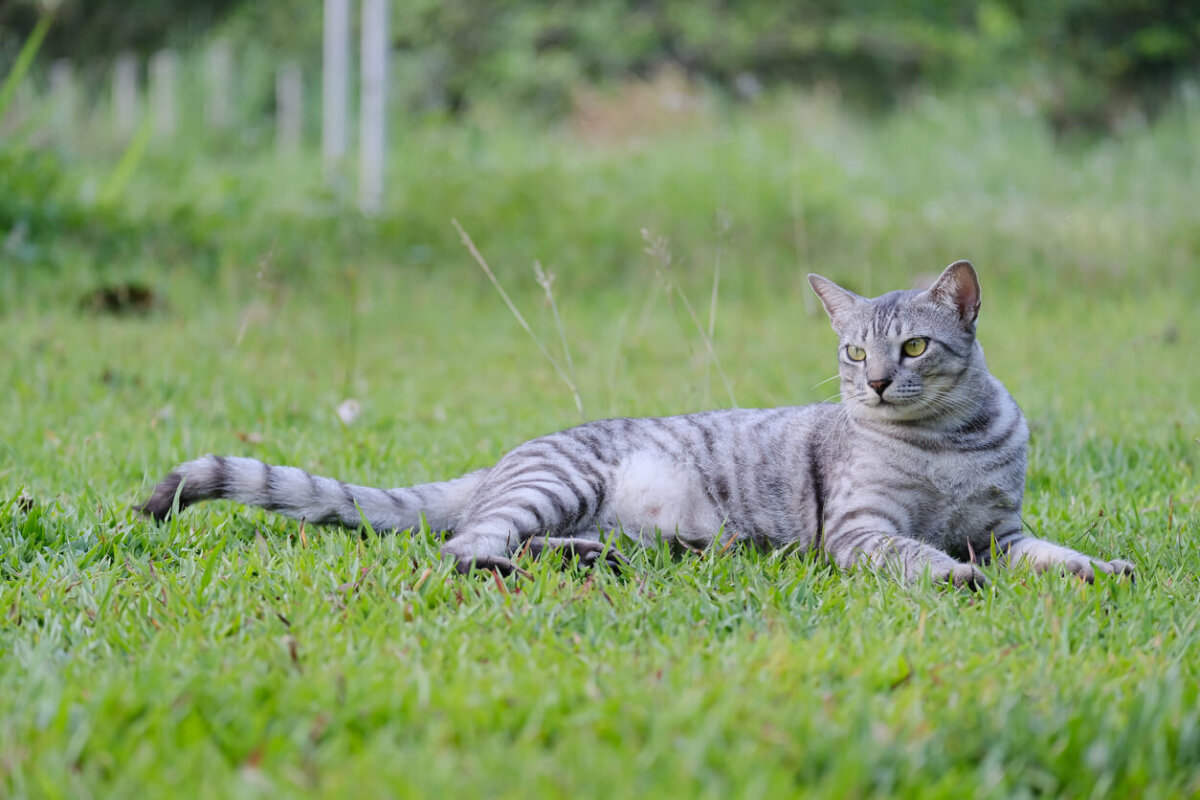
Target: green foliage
95,30
23,62
1084,63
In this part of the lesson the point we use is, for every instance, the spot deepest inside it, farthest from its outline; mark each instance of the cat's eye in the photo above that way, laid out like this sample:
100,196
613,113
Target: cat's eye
914,347
855,353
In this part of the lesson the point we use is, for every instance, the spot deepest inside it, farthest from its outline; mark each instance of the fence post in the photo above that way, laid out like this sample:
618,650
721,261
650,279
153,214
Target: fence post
65,98
164,83
218,68
125,94
334,81
373,111
289,99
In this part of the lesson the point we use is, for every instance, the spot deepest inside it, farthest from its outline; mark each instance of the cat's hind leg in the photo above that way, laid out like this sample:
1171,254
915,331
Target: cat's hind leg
483,547
539,497
588,551
488,551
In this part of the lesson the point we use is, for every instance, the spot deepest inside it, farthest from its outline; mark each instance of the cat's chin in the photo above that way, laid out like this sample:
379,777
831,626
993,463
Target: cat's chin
884,411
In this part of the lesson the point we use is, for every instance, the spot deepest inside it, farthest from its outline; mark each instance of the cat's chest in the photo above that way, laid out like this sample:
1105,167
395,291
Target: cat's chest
938,473
945,494
944,477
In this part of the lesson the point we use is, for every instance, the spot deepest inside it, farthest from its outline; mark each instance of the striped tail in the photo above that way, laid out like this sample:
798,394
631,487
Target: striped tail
298,494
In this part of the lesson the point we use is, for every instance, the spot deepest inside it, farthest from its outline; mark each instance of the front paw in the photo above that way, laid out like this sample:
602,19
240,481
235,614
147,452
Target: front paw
1117,567
1086,568
959,575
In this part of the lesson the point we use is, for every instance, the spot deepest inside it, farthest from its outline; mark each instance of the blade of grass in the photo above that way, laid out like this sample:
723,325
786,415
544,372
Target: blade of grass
470,245
24,61
658,250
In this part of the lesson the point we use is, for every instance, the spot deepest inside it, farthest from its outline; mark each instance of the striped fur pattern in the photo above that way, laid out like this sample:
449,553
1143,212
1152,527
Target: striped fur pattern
919,470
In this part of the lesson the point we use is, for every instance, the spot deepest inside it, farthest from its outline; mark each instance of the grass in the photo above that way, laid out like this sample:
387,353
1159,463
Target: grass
231,653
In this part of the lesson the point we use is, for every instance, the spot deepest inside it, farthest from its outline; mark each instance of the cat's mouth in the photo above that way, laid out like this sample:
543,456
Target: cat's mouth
902,409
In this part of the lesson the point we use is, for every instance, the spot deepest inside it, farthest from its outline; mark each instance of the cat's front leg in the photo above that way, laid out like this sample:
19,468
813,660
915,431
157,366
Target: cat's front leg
909,557
1043,555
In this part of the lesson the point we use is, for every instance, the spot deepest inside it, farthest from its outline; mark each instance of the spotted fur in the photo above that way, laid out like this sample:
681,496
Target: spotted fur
920,469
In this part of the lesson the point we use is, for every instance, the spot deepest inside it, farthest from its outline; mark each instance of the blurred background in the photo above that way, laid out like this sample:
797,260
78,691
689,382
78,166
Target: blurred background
137,133
280,180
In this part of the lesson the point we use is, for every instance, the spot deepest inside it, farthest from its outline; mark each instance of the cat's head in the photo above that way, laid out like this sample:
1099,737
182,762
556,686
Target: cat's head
903,356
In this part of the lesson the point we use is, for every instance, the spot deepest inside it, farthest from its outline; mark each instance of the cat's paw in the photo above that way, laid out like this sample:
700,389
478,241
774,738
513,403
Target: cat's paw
960,575
464,565
1117,567
588,552
1086,568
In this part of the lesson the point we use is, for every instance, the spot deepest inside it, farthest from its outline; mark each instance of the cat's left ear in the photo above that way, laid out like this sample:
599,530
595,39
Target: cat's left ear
958,289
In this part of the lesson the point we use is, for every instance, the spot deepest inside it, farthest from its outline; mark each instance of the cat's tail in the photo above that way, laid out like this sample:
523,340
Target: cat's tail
298,494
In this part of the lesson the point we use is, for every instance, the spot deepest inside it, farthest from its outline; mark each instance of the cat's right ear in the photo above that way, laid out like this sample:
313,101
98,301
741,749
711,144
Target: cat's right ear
837,301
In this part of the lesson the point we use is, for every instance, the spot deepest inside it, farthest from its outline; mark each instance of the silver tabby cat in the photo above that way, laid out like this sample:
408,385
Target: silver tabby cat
920,468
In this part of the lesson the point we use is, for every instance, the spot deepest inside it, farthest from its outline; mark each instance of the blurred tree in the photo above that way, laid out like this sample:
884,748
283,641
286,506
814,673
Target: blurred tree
1084,60
97,29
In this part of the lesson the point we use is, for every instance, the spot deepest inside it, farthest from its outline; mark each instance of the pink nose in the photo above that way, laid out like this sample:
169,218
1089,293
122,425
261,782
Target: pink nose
879,386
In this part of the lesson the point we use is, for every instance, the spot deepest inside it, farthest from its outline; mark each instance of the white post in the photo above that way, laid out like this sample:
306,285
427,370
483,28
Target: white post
218,68
65,99
164,83
334,82
125,94
289,99
373,110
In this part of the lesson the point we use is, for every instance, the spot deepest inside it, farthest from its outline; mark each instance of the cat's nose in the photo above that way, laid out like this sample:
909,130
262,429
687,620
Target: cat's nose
880,386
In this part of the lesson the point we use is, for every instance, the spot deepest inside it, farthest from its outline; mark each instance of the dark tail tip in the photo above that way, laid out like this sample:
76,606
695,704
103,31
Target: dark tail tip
160,503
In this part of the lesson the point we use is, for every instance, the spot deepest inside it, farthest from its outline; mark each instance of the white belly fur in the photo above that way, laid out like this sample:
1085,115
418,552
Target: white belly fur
653,495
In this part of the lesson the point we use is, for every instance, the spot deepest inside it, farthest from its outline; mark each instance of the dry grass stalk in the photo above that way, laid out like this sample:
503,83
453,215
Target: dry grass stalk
658,249
479,259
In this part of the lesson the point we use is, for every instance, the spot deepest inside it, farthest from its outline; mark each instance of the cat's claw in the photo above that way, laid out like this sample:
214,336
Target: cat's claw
1086,568
1117,567
961,576
1121,567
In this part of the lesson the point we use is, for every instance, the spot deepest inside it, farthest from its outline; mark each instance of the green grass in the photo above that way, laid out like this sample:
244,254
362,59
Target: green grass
225,654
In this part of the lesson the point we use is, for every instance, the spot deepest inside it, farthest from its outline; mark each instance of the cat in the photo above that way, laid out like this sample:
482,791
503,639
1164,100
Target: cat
920,469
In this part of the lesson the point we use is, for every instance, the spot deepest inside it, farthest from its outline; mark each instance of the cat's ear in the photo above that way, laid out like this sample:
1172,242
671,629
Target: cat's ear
958,289
837,301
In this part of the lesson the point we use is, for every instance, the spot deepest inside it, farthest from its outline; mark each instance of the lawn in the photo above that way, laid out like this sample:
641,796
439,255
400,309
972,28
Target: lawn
234,653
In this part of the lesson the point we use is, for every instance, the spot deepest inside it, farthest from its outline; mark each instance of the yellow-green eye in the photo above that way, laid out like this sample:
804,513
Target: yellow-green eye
914,347
855,353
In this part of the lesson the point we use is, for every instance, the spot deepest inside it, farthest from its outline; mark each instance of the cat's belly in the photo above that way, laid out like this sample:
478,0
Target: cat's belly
654,496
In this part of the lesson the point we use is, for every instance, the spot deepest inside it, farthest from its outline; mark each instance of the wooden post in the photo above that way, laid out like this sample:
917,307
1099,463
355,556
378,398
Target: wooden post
334,82
373,110
289,99
64,97
125,94
218,100
164,84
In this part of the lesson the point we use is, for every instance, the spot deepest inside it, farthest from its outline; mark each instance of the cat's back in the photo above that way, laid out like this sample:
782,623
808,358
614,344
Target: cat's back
710,435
